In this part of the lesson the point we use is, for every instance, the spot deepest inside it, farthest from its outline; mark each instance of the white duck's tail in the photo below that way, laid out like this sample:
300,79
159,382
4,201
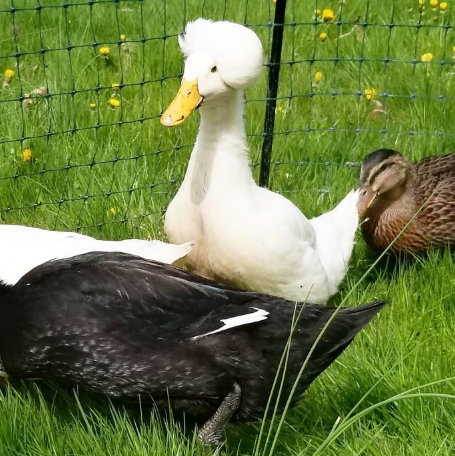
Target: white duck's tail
335,234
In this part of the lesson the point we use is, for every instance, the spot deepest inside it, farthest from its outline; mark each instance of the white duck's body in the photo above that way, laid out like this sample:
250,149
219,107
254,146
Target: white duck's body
22,248
245,235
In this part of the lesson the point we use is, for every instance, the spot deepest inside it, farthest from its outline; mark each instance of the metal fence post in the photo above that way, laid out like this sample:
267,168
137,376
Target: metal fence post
274,75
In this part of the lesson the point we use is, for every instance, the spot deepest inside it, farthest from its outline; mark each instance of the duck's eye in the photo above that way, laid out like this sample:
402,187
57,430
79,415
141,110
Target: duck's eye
383,167
214,69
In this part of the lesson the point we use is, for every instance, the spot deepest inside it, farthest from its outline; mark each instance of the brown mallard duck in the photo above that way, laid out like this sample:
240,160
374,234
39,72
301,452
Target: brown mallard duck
392,190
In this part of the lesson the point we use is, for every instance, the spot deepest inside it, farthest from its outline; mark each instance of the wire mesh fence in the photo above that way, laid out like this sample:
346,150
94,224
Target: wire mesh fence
84,83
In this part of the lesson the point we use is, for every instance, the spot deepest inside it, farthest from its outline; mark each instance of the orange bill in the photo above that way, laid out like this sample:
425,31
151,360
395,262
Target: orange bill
185,102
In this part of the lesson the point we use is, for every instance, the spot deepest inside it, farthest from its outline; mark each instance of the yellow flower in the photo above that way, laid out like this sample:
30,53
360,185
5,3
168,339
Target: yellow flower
113,211
327,14
370,93
27,155
317,11
434,3
113,103
115,85
123,37
453,49
9,75
92,106
317,76
104,51
443,6
323,36
428,57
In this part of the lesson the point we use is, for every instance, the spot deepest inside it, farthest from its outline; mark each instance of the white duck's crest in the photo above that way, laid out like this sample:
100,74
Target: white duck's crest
226,42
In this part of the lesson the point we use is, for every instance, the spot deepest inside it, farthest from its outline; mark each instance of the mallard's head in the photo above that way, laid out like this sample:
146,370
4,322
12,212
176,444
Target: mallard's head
382,179
220,57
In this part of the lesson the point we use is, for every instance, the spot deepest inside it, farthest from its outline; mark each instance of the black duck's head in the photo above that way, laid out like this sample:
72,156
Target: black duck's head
382,179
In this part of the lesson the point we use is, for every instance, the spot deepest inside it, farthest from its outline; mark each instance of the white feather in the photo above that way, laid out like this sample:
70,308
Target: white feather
23,248
240,320
247,235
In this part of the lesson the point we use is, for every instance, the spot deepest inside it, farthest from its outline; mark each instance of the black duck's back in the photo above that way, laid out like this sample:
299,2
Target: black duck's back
128,327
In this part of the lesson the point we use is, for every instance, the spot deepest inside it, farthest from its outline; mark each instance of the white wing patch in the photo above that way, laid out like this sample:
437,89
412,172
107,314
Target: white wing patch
241,320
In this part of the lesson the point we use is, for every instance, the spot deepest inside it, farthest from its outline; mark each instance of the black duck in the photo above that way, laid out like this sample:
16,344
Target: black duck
126,327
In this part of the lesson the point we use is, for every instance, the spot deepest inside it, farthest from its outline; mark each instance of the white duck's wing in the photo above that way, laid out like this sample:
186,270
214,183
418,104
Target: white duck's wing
23,248
151,250
26,233
266,244
295,243
335,235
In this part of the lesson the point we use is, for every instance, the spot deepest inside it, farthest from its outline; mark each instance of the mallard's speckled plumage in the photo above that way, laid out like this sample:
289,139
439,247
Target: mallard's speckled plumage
393,190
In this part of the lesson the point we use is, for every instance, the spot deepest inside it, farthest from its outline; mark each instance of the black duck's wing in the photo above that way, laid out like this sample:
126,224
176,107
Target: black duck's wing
105,319
119,290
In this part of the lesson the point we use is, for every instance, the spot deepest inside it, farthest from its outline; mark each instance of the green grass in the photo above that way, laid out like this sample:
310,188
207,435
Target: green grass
114,181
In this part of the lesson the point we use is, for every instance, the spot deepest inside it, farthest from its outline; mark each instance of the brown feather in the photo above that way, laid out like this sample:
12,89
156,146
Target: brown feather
430,187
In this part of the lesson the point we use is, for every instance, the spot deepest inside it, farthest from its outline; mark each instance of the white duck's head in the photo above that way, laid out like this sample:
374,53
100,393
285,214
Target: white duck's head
221,57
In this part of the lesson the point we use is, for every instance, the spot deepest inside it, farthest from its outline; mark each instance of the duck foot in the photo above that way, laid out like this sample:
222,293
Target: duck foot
211,432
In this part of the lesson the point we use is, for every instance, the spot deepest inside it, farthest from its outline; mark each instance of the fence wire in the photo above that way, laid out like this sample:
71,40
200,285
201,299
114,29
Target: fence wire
84,83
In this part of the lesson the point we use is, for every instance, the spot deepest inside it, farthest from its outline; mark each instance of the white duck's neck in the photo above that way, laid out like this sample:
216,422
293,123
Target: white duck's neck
220,156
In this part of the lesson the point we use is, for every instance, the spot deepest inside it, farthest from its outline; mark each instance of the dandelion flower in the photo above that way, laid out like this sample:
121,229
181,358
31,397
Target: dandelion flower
434,3
370,93
317,76
92,106
323,37
113,103
327,14
123,37
9,75
104,51
428,57
317,11
116,86
443,6
113,211
453,49
27,155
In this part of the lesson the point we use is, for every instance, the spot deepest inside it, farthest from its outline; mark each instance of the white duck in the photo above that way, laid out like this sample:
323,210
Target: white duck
244,234
22,248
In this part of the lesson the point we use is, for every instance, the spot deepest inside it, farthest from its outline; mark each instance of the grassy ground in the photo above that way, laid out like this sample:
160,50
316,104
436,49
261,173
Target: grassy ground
111,173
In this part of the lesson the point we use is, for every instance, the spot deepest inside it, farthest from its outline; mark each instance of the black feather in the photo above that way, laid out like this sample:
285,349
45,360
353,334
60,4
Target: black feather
124,326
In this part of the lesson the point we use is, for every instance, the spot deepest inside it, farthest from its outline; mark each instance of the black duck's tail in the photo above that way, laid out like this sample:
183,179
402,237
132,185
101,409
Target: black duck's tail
336,337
